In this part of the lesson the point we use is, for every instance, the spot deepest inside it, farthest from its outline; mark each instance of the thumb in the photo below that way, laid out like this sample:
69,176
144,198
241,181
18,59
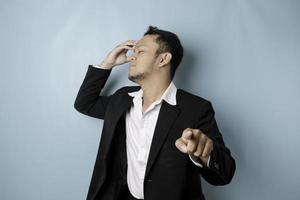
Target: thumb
181,145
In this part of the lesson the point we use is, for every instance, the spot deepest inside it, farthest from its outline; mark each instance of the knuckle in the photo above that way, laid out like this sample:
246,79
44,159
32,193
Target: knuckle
201,141
187,129
178,142
203,137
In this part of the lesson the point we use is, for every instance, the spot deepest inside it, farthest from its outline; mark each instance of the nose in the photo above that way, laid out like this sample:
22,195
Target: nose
131,58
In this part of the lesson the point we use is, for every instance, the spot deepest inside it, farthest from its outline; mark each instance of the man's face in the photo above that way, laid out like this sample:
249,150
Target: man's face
144,59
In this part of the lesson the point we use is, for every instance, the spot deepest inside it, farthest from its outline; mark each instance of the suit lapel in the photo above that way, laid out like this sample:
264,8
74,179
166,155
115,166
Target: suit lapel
165,120
119,110
167,116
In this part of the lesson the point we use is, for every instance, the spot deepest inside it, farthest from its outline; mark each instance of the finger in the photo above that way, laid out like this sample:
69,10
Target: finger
204,160
201,145
191,146
128,43
124,47
131,41
187,134
208,148
122,50
181,145
196,134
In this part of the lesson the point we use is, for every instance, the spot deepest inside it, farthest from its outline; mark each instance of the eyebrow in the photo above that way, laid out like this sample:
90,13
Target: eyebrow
139,46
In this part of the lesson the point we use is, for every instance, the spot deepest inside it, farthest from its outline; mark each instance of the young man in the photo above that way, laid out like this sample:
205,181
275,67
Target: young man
156,139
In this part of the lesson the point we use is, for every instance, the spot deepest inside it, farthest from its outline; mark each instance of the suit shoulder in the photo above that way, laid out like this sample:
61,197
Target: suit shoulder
192,98
127,89
192,104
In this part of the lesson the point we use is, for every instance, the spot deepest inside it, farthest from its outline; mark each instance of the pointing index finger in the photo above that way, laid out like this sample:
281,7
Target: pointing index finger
187,134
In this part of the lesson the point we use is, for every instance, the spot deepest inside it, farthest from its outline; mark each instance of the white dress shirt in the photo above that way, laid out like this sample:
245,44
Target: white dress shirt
139,132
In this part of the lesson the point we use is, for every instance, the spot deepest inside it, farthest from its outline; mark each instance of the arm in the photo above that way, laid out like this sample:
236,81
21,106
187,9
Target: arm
222,165
205,145
89,100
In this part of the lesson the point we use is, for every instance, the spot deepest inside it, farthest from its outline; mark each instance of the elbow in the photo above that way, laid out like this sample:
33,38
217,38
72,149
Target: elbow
78,107
228,174
221,176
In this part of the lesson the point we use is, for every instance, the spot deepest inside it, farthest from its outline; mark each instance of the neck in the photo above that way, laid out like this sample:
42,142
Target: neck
153,90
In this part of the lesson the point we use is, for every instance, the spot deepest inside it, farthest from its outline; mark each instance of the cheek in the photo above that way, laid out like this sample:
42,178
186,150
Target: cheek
144,63
146,60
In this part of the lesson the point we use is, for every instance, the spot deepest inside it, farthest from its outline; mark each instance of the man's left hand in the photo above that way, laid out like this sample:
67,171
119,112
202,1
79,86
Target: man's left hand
195,143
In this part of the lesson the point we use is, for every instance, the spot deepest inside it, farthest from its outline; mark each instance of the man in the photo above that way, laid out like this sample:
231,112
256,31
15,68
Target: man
156,140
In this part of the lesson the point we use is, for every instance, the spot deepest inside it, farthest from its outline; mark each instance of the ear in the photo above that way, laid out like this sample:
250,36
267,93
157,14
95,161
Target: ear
165,59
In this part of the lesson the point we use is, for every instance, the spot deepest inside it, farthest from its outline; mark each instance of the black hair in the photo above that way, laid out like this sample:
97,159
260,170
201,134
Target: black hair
168,42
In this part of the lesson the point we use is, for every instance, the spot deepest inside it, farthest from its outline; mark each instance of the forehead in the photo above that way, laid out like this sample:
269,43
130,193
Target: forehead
147,41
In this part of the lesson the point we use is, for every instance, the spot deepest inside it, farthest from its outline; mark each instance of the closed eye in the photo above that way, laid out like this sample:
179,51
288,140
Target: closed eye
139,51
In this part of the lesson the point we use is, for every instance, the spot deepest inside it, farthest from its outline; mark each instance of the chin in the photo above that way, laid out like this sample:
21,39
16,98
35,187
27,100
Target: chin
136,78
132,78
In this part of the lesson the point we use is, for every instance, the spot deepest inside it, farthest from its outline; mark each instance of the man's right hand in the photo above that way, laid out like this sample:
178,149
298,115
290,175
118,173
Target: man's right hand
118,55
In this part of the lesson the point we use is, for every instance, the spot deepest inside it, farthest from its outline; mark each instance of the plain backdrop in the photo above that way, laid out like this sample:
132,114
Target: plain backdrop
242,55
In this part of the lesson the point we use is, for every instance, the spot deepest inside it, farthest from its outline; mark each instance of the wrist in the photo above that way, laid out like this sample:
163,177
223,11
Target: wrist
105,65
101,67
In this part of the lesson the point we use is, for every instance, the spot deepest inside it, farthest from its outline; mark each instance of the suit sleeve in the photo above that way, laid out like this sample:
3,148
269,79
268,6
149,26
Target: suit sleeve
222,165
88,100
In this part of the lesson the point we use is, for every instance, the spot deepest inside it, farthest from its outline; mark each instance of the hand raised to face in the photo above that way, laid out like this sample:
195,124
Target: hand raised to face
118,56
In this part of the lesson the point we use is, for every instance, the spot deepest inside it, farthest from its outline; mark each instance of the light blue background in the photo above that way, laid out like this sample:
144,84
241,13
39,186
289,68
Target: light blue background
242,55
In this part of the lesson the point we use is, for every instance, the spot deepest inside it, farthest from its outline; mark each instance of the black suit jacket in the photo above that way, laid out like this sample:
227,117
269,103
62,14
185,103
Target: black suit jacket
170,174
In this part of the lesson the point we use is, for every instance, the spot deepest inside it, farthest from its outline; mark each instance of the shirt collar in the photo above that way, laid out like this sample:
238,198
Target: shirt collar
169,95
